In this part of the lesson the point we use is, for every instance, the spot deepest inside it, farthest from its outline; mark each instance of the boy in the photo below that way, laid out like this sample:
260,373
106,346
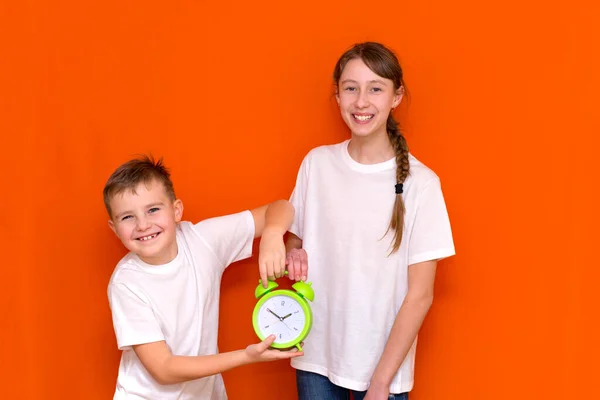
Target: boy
164,294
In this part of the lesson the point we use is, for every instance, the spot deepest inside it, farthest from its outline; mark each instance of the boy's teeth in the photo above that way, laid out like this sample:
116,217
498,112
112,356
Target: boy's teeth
148,237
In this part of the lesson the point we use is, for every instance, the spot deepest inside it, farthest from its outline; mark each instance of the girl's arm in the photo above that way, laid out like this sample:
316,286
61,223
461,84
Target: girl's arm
296,259
410,317
293,242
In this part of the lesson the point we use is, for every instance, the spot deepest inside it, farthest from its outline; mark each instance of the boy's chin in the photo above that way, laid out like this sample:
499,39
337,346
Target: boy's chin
161,257
153,259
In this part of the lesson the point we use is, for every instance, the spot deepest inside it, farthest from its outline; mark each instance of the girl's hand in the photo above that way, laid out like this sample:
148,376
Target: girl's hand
297,264
271,256
260,352
377,392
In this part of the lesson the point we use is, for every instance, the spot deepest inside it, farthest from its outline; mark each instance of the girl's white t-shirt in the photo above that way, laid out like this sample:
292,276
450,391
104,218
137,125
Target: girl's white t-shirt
343,209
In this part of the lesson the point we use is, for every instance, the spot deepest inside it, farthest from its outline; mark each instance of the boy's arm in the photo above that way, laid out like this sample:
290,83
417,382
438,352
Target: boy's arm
168,369
274,218
271,222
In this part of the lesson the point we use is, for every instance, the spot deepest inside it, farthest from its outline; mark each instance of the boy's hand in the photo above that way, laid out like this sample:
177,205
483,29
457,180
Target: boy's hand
260,352
297,264
271,256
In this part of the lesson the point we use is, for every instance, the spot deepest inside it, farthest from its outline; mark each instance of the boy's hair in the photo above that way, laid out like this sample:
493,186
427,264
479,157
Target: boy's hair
128,176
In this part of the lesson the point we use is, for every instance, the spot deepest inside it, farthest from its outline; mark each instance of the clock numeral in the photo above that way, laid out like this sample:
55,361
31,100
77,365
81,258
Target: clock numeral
295,329
296,312
280,336
283,303
267,327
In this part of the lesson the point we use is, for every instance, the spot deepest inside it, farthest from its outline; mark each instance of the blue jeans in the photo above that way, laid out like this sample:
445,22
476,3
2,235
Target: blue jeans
313,386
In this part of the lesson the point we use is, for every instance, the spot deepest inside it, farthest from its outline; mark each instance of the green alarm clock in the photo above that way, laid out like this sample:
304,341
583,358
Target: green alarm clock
283,313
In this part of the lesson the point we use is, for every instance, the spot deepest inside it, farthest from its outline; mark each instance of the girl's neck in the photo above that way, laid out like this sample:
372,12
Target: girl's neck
371,149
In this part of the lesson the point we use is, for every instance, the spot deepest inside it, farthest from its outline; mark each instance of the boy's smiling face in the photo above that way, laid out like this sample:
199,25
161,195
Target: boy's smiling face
145,221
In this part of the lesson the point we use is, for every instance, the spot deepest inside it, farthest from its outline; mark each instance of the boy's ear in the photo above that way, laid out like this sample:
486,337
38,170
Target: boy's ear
178,206
112,226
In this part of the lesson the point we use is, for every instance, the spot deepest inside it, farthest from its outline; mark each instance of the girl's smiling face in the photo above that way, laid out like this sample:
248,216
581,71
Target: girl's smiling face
365,99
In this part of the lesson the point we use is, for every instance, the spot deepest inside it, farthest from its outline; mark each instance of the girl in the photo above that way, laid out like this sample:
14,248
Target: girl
374,222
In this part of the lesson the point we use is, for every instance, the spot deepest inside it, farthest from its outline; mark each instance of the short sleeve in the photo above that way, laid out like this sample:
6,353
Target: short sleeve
431,235
230,237
298,199
133,318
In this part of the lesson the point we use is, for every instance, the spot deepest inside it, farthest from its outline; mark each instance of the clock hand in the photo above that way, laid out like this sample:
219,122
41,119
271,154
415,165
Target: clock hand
269,310
288,328
289,315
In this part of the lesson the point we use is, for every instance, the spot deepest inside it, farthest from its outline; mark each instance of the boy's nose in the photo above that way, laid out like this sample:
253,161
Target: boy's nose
142,224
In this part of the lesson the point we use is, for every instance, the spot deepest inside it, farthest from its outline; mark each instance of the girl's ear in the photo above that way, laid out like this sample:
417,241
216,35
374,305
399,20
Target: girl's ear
398,97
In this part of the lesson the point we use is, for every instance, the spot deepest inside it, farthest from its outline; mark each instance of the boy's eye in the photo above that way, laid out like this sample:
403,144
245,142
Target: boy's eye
153,209
125,217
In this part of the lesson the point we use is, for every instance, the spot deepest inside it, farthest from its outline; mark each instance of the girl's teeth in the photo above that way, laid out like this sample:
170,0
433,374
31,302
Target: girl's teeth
363,117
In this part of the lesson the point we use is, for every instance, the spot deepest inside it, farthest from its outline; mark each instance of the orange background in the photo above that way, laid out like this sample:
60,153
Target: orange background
233,96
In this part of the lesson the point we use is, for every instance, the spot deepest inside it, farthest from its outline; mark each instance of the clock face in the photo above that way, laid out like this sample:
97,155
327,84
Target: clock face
282,316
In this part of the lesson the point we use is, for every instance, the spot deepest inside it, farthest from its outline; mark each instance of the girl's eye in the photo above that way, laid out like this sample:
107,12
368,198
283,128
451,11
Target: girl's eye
376,89
153,209
350,89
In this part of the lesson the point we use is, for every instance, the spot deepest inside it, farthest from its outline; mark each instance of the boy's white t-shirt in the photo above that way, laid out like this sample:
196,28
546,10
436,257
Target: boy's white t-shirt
177,302
343,209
